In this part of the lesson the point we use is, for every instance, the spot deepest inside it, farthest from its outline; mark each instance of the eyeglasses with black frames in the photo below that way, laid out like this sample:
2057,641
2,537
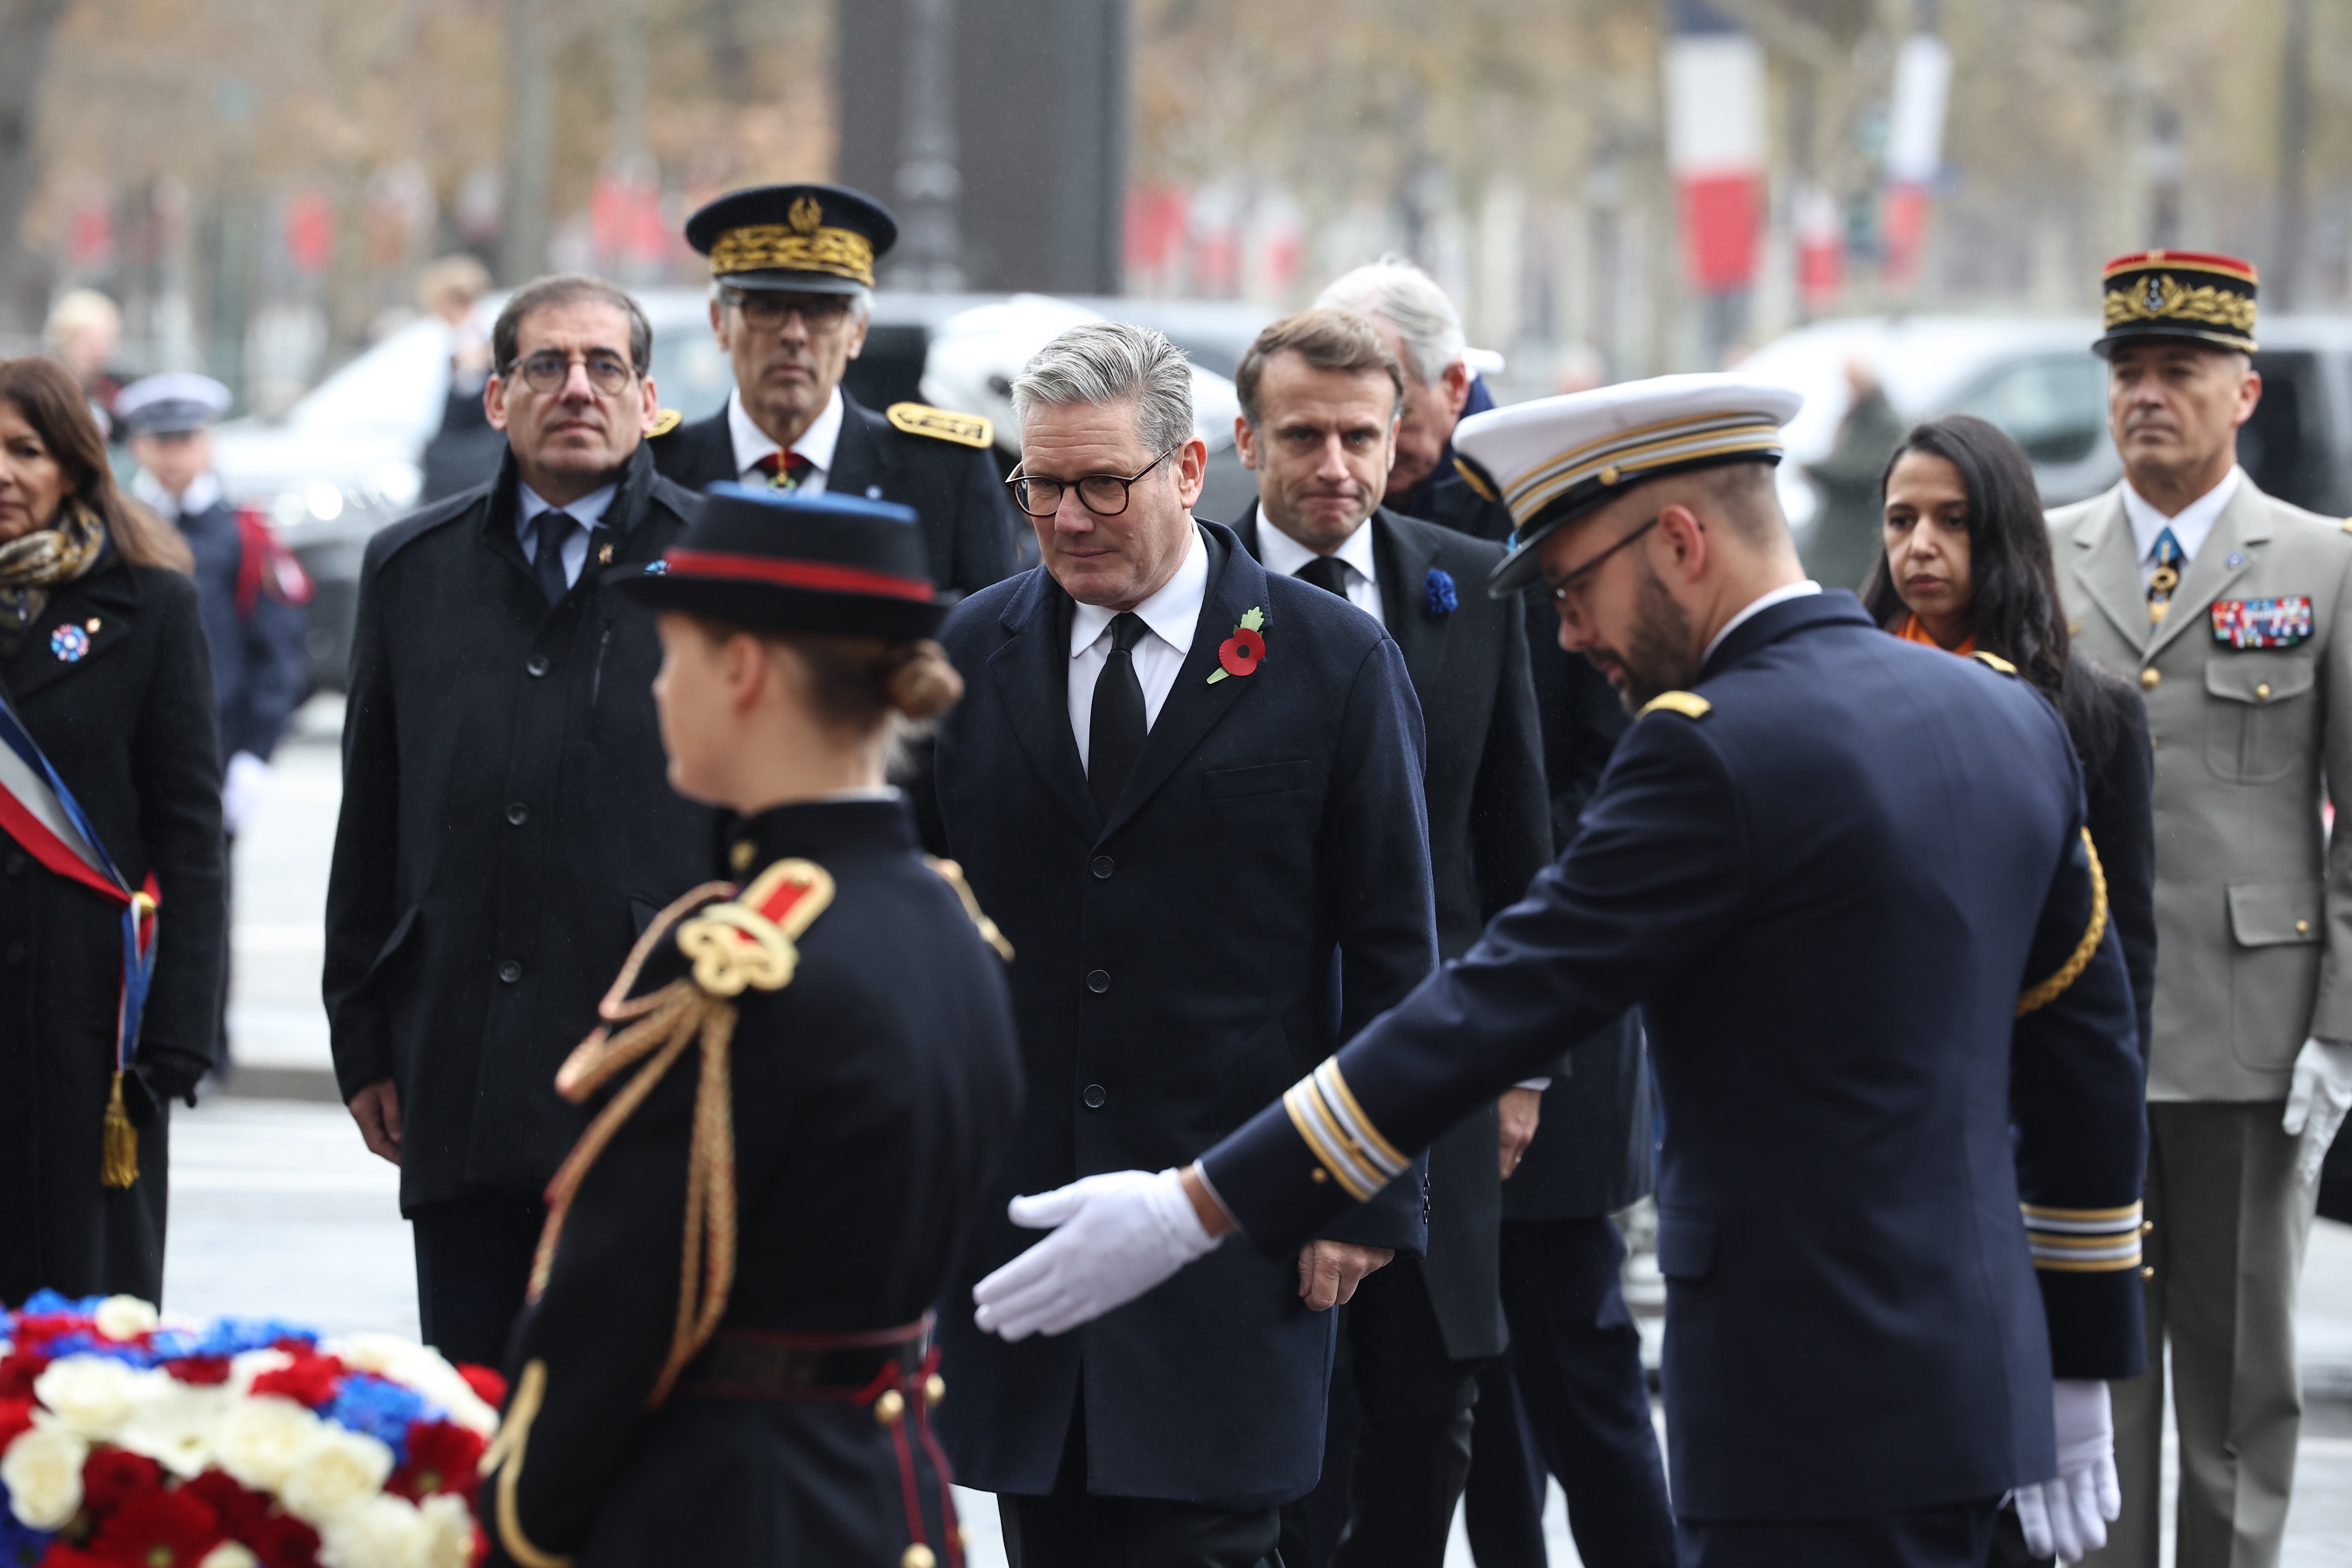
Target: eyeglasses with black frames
549,370
1567,593
1105,495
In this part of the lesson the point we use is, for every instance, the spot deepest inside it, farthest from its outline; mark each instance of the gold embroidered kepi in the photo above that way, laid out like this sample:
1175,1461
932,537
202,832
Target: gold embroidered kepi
2187,294
810,239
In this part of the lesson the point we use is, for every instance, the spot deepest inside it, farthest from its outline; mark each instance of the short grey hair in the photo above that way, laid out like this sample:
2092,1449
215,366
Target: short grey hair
1392,290
1111,361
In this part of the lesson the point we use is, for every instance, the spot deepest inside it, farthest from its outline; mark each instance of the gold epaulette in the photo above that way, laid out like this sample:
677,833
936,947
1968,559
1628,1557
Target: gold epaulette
2049,990
942,423
667,420
1993,661
952,875
1689,704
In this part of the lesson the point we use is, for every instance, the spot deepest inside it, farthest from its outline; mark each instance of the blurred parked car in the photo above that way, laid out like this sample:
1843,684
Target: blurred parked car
348,457
2037,379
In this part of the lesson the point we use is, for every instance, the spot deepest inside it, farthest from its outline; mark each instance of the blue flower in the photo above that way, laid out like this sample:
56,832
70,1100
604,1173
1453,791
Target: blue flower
21,1545
1440,598
234,1336
380,1408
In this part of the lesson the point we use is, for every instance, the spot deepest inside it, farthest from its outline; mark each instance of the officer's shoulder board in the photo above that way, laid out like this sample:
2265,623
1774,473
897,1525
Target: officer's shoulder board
952,874
667,420
942,423
1689,704
1994,661
746,942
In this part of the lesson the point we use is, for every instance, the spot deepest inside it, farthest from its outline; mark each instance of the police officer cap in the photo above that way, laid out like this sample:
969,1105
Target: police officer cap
1556,458
171,403
812,240
772,561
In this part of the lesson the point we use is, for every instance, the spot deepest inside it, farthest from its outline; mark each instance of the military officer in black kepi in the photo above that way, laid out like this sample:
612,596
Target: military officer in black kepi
1850,887
805,1073
791,276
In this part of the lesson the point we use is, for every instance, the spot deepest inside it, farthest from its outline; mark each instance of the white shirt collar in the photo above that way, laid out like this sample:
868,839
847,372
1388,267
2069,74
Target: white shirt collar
1173,613
2192,528
1756,607
1285,555
588,512
199,497
817,443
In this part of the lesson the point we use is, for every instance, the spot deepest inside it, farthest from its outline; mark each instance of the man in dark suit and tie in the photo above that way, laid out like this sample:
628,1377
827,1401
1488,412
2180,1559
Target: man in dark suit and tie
1321,396
1190,794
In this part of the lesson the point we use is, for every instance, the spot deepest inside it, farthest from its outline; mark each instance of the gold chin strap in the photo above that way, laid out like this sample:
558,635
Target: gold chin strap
2049,990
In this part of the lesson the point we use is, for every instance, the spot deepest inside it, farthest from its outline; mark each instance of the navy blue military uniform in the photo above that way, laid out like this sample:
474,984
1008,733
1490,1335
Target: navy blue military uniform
254,597
1870,1287
1260,890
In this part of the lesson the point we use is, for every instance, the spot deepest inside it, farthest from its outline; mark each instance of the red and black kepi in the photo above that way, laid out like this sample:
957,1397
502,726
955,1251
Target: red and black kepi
774,561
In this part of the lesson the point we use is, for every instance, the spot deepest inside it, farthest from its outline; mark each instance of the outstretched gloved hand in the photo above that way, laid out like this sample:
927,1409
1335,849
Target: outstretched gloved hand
2067,1517
2315,1102
1115,1236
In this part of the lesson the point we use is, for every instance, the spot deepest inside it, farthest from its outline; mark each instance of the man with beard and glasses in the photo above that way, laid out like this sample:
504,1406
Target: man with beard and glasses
1846,880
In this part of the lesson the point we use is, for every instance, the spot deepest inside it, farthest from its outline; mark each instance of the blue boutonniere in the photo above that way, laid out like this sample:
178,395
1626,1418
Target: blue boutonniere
1438,596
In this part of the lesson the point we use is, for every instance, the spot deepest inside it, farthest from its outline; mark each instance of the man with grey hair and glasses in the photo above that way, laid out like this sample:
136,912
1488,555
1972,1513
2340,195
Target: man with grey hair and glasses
792,294
1190,794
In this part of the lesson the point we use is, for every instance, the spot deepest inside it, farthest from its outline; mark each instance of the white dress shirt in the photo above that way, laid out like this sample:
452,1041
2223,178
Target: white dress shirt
2190,529
1285,556
202,492
1172,615
1779,596
817,443
588,512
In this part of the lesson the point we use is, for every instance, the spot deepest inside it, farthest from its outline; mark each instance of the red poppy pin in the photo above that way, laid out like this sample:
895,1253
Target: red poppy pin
1240,653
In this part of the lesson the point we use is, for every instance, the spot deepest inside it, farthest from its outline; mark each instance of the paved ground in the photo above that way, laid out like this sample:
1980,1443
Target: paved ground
277,1207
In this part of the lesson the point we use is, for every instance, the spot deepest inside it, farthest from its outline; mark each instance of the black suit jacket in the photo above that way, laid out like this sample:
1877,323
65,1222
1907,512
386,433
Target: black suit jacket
1174,966
1489,834
507,827
968,519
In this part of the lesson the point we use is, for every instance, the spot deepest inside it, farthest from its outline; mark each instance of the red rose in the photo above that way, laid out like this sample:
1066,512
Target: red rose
240,1511
1241,651
63,1553
488,1385
281,1541
199,1369
113,1477
17,1371
159,1530
442,1458
15,1414
310,1380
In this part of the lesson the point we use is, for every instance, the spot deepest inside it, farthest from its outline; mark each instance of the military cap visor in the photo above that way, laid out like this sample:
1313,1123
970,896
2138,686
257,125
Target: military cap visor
820,566
1556,458
171,403
2180,296
806,239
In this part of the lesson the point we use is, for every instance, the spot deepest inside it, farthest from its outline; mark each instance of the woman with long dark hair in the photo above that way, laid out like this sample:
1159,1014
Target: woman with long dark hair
1965,567
111,916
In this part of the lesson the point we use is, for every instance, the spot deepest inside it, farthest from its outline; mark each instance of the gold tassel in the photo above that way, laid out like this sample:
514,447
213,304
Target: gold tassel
118,1163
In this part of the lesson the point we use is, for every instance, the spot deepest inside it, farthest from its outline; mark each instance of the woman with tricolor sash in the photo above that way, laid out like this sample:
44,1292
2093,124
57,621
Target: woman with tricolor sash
111,916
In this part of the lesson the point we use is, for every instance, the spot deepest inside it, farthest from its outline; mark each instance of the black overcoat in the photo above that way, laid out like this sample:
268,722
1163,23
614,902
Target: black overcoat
507,827
1489,834
1174,967
129,727
969,522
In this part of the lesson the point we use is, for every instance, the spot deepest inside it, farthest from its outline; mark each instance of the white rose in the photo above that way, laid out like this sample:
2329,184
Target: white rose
337,1468
42,1472
174,1424
229,1554
373,1532
260,1438
91,1393
447,1540
126,1318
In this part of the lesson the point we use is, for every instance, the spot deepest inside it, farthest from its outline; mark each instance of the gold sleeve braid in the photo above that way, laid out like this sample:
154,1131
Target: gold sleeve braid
2049,990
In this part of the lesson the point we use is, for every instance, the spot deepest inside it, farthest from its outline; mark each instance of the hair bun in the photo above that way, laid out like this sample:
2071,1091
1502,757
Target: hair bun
925,685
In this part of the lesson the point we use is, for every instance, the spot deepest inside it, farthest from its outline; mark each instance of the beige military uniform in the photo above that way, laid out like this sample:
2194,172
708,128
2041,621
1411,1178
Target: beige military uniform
2254,913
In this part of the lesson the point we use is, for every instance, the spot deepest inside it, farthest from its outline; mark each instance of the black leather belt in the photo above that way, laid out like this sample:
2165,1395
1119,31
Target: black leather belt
768,1364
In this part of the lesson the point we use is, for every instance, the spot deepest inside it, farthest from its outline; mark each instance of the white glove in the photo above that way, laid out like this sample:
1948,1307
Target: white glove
242,787
1115,1236
2315,1105
2067,1517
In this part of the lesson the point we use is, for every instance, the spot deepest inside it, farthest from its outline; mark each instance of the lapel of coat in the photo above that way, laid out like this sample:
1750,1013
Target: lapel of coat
1032,671
858,454
102,605
2246,521
1236,586
1404,554
2107,562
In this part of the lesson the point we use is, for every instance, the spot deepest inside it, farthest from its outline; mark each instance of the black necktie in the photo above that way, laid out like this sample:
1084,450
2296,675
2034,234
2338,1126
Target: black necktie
1115,734
547,560
1328,573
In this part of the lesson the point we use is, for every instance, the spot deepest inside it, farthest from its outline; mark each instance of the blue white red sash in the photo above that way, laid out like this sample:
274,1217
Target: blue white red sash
41,815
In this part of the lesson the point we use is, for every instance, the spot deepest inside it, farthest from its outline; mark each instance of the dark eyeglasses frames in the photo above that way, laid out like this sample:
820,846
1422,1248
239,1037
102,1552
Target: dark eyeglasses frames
547,370
1105,495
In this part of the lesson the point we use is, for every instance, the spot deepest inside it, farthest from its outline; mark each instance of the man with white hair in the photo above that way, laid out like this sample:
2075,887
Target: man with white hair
1190,793
792,272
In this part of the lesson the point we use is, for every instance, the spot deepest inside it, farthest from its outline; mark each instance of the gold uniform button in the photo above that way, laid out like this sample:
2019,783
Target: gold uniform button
2263,692
935,1388
2302,927
2148,677
2148,1271
889,1407
1317,1176
918,1556
740,858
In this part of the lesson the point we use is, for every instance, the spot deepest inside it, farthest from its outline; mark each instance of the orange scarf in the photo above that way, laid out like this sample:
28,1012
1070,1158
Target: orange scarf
1910,629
